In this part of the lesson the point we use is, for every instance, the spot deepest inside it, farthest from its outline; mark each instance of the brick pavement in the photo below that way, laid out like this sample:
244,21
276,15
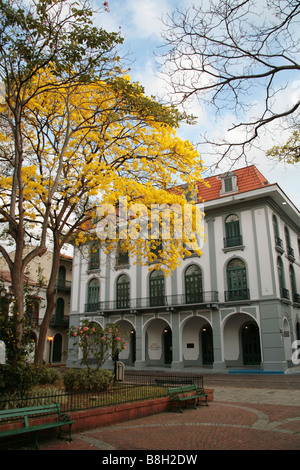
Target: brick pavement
239,418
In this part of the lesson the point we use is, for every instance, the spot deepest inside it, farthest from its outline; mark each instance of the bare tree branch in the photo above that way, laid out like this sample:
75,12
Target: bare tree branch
231,55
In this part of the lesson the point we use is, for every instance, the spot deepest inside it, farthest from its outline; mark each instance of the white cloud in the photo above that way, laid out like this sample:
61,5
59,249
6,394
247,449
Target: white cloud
145,17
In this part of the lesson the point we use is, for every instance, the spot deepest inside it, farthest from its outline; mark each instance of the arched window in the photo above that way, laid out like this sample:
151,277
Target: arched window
61,276
123,291
157,288
284,293
289,248
60,309
236,281
278,241
122,255
193,284
295,296
93,296
94,258
232,230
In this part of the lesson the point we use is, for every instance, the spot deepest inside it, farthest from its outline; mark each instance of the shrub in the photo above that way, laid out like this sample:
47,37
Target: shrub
21,378
46,375
84,380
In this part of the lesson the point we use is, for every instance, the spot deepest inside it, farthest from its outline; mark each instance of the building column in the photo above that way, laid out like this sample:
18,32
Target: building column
272,337
177,362
140,362
219,363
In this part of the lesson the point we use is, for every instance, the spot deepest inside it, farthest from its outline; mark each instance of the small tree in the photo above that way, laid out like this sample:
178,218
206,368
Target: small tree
91,341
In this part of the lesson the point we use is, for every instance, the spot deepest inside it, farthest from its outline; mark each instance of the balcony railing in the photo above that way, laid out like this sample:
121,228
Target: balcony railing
233,241
296,298
290,253
57,320
62,284
167,301
284,293
278,244
237,294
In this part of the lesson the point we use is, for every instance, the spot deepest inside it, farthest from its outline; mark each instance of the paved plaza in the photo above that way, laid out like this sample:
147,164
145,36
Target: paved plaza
247,413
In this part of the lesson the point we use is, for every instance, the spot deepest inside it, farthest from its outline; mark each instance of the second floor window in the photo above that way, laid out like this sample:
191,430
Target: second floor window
60,309
237,280
123,291
32,309
278,241
122,256
93,295
284,293
295,295
193,284
232,231
61,279
94,258
157,288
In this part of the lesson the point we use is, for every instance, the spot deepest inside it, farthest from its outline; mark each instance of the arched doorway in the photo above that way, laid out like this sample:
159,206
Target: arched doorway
158,342
207,345
133,345
128,334
57,348
241,339
167,345
251,344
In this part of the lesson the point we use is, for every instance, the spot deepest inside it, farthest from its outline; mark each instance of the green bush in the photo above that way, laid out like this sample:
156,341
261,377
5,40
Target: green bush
21,378
87,380
46,375
24,377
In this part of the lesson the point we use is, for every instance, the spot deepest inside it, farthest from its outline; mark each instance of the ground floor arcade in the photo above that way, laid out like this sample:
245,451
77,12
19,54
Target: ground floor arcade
253,336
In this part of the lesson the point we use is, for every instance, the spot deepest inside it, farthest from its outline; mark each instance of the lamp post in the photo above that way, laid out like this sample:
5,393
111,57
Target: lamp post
50,339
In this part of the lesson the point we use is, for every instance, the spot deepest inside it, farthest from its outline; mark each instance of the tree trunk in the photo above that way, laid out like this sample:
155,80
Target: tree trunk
17,277
51,303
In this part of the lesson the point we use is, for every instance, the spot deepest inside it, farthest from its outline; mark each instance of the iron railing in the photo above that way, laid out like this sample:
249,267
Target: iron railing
135,387
237,294
233,241
176,300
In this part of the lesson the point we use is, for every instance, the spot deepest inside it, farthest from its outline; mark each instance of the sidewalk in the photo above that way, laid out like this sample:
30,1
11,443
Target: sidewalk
239,418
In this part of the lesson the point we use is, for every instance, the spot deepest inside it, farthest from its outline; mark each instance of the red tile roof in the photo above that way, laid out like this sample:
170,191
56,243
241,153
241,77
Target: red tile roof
248,179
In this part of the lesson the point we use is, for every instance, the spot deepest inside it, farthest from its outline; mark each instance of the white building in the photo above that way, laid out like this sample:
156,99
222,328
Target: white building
57,339
236,306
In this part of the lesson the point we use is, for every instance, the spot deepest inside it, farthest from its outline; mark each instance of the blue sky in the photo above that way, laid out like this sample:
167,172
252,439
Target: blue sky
140,25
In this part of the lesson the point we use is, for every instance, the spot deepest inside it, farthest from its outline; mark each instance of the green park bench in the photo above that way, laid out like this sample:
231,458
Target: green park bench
24,420
185,393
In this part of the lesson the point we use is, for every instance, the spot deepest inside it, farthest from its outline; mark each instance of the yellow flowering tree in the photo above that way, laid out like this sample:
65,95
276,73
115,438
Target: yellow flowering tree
33,35
91,144
87,140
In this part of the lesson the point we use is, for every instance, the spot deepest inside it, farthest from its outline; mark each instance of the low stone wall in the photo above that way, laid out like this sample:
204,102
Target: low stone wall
107,416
